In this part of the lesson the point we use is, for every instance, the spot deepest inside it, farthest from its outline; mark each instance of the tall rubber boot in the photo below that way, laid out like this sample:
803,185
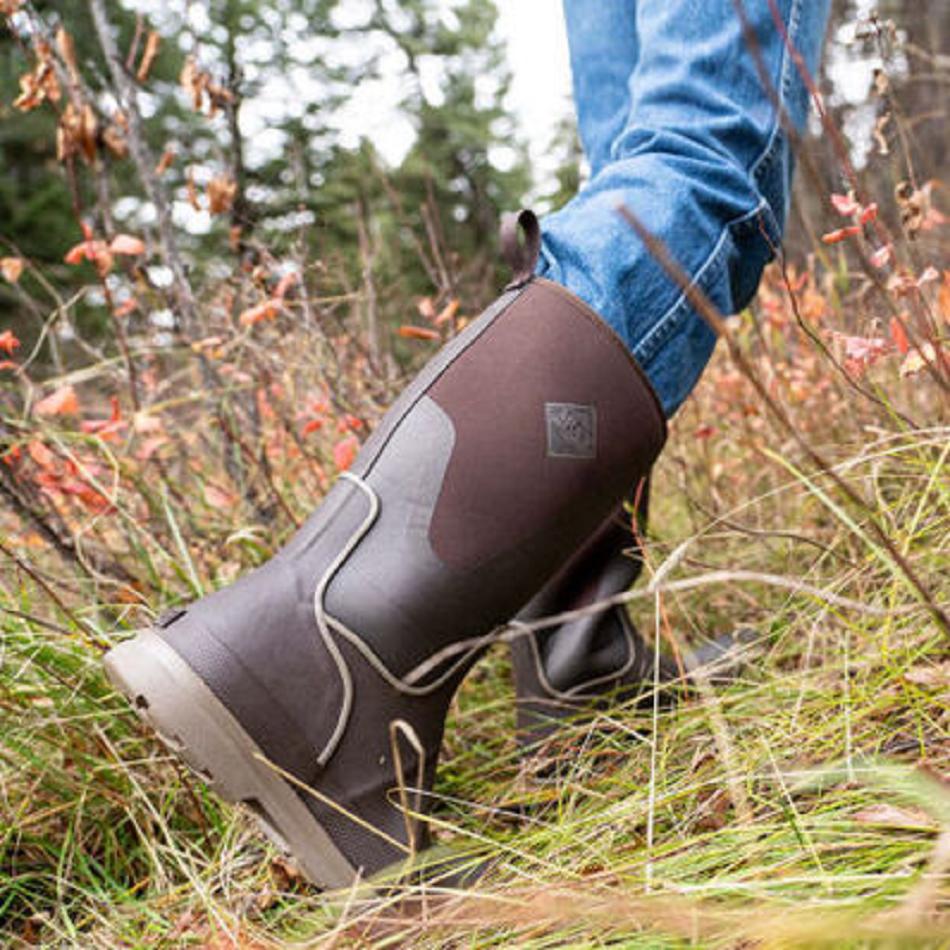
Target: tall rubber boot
315,689
599,658
579,665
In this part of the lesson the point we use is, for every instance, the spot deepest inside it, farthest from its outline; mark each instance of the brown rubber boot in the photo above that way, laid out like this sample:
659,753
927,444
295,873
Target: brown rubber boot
563,670
599,658
315,689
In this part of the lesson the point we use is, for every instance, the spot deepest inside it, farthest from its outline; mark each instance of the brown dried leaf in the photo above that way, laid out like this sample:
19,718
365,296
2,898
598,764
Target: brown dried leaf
937,677
115,142
152,45
894,816
193,81
11,268
67,49
165,162
917,359
221,192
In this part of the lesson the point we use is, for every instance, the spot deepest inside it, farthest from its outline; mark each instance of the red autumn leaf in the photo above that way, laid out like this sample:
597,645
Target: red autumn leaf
349,423
164,163
943,297
841,234
899,335
314,425
860,352
8,364
88,250
417,333
845,205
61,402
9,342
869,213
41,455
149,447
267,310
344,452
107,429
284,284
882,256
128,245
126,307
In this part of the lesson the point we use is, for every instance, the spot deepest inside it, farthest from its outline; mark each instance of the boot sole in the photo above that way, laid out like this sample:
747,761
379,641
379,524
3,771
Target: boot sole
192,722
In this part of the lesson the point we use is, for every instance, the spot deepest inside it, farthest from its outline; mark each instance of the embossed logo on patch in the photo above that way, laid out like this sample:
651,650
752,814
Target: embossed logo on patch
572,430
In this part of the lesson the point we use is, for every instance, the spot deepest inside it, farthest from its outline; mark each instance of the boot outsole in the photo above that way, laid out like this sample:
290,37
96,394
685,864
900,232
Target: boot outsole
191,721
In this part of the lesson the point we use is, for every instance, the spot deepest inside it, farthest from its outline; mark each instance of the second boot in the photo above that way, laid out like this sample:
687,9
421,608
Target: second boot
563,670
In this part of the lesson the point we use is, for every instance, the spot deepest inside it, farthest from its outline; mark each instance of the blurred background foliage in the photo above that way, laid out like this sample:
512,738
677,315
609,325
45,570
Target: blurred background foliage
291,75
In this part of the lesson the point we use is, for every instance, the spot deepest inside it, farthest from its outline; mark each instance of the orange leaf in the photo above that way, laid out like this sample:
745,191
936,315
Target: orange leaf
128,245
286,282
152,44
165,162
845,205
868,214
126,307
11,268
836,237
88,250
8,342
61,402
417,333
448,313
41,455
943,297
107,429
263,311
221,192
899,334
344,452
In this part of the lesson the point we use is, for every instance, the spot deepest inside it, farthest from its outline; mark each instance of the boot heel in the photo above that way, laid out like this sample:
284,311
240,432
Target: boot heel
176,703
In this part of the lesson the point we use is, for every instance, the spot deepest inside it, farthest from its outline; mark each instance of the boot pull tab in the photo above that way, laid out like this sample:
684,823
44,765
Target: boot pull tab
520,255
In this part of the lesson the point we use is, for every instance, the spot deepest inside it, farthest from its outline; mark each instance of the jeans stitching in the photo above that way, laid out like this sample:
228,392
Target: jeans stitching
650,345
771,149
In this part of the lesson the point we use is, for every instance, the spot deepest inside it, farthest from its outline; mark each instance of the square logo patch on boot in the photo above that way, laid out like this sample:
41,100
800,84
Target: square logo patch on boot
572,430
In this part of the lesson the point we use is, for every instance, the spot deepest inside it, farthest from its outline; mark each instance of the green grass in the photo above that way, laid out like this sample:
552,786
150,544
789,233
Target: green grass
759,820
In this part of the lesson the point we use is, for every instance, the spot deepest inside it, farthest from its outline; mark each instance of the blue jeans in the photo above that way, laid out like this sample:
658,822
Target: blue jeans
678,126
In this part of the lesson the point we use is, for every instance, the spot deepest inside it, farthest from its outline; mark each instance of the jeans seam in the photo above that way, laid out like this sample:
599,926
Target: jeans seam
772,146
650,345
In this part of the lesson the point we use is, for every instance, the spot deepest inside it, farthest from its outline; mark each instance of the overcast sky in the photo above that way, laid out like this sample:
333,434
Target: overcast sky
537,52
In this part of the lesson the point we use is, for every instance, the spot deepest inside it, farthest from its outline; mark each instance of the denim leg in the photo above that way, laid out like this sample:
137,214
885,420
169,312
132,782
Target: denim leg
703,161
602,38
